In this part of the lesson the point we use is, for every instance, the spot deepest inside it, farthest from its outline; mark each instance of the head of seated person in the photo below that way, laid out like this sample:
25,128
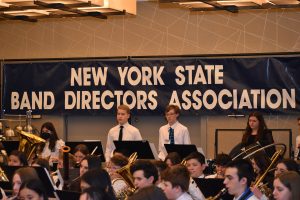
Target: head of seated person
17,158
144,173
80,152
88,163
172,158
285,165
196,164
175,181
99,179
32,189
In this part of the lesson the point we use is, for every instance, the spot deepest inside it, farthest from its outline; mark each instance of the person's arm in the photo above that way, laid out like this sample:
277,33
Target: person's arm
161,154
186,136
109,147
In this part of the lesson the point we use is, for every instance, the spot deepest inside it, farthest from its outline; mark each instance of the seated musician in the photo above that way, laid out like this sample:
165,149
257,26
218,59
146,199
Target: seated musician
176,182
144,173
196,164
239,175
117,162
88,163
173,158
80,152
285,165
98,179
17,158
221,161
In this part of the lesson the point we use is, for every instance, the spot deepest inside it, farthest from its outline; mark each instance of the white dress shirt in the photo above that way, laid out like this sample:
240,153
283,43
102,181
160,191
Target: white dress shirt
297,145
181,136
129,133
184,196
47,153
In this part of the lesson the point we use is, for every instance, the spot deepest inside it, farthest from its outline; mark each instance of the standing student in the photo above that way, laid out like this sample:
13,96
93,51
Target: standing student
238,177
257,133
173,132
123,131
50,150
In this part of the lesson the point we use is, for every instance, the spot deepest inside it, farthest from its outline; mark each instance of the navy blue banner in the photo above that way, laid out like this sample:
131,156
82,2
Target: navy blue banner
198,86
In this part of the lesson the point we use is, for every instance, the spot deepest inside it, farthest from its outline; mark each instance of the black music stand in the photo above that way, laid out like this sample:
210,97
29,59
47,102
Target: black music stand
46,180
211,187
182,149
9,172
142,147
9,146
93,145
70,195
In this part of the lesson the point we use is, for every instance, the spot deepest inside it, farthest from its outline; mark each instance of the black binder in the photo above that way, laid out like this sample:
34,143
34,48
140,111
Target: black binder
211,187
182,149
142,147
94,145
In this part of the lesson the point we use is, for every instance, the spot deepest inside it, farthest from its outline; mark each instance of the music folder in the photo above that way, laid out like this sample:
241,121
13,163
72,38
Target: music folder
211,187
142,147
94,146
182,149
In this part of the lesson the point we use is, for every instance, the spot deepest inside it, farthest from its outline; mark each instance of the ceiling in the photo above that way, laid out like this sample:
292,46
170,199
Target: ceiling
32,10
233,5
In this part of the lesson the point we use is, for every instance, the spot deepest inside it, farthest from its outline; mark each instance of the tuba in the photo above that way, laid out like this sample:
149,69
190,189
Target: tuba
29,143
124,172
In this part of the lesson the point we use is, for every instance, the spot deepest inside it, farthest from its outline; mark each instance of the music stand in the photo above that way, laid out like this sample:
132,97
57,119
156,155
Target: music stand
9,172
70,195
182,149
142,147
46,180
211,187
9,146
94,146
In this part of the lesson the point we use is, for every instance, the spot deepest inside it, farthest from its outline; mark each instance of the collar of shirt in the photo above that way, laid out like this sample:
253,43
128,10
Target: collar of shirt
124,125
174,125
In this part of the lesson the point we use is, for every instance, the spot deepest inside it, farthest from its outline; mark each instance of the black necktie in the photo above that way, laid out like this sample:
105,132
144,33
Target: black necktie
171,136
121,133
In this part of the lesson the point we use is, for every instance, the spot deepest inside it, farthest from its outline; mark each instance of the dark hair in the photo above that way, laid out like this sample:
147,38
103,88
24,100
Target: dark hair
291,180
53,135
261,127
147,167
174,157
160,165
298,118
42,162
244,169
173,107
222,159
119,160
21,156
290,164
196,155
177,175
94,162
149,193
261,160
36,186
96,194
81,148
99,179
